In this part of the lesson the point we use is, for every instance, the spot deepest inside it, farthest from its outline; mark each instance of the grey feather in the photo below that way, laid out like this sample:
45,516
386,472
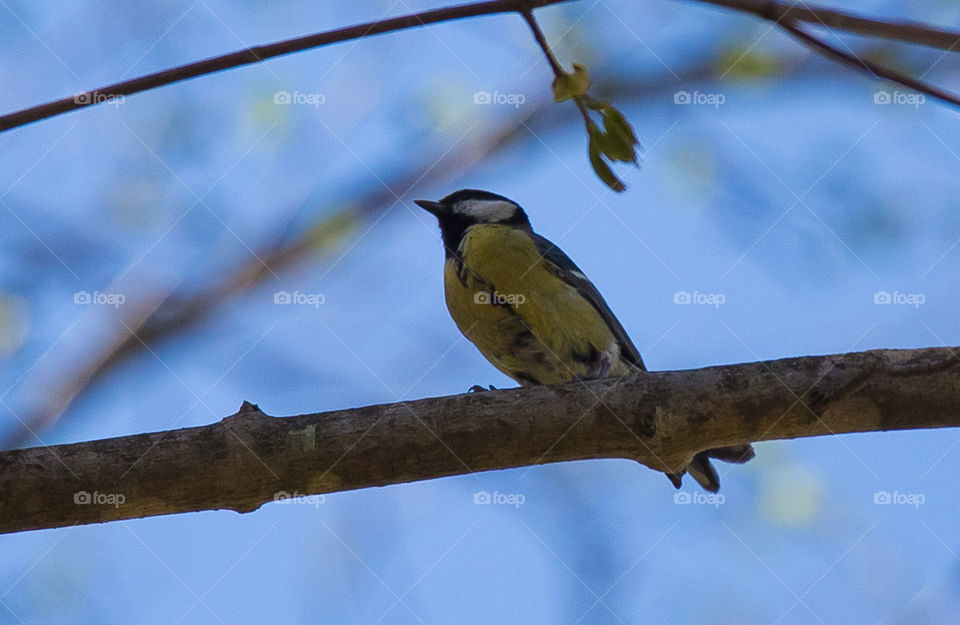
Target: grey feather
560,264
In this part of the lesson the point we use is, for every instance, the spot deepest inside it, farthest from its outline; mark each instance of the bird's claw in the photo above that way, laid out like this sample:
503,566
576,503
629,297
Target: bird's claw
476,388
596,373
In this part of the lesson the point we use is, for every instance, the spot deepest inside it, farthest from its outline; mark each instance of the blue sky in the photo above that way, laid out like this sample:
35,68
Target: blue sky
797,198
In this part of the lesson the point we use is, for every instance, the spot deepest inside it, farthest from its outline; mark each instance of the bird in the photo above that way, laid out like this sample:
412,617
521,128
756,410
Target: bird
531,311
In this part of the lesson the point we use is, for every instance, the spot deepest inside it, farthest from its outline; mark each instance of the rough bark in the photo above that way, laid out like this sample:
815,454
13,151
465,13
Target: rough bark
658,418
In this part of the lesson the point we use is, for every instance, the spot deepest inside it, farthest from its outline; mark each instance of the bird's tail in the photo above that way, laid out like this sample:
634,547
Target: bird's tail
702,471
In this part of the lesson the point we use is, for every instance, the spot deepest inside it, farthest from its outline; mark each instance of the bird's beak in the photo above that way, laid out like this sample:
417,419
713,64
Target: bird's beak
435,208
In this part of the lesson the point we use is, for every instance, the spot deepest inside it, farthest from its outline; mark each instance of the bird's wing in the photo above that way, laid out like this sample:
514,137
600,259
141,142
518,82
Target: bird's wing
560,264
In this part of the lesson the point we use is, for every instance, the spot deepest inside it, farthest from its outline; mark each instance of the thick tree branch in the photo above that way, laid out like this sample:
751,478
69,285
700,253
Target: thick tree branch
659,419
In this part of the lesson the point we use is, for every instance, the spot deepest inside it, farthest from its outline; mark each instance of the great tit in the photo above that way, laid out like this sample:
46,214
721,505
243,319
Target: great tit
531,311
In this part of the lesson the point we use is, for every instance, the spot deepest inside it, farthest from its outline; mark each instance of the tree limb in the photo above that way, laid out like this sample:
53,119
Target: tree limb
908,32
659,419
876,70
788,17
774,11
258,54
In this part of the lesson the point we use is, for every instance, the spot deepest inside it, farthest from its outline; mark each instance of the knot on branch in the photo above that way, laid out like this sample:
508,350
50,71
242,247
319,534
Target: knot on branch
246,421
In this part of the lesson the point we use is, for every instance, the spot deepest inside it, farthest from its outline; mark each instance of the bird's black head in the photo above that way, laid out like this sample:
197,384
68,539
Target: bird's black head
470,207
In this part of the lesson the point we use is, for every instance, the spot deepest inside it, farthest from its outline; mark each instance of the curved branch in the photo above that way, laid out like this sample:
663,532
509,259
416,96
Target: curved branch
787,18
774,11
874,69
908,32
258,54
659,419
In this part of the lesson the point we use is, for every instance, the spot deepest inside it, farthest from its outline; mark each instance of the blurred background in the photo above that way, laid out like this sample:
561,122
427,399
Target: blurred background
805,209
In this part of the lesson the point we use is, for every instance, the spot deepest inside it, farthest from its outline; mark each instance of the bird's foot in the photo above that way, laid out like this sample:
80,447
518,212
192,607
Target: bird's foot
598,373
476,388
604,367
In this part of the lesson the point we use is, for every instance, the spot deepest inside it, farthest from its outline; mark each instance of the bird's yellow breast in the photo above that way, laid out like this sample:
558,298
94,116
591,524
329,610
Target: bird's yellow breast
528,322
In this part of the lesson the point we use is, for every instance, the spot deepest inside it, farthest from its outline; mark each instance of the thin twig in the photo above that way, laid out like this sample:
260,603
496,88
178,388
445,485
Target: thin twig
261,53
774,11
909,32
542,41
875,69
558,70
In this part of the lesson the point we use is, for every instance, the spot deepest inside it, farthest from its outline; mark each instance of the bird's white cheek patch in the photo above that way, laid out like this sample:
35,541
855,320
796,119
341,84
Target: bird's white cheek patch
490,211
